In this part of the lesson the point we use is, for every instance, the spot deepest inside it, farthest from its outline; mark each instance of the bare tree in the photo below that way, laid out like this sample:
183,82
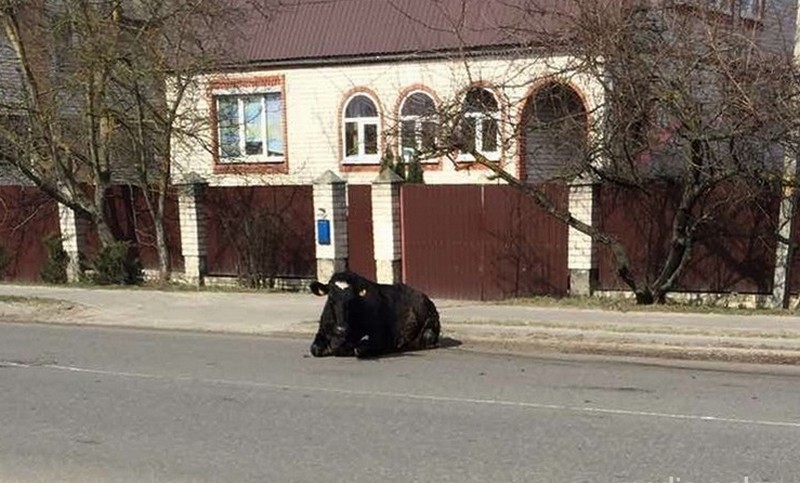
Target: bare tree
94,108
169,46
701,102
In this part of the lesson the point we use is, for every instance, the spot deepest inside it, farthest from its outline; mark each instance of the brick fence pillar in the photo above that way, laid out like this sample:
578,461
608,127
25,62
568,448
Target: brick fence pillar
193,229
330,211
582,254
386,226
784,251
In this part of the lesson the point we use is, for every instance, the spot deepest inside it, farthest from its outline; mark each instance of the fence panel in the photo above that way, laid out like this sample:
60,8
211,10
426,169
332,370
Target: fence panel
734,252
481,242
268,229
361,255
442,228
526,249
27,217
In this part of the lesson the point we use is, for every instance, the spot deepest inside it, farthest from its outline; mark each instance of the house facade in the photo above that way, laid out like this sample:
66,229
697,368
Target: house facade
294,129
328,91
322,92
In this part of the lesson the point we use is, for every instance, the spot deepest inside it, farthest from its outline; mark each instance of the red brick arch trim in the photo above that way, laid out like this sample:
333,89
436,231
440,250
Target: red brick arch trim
529,95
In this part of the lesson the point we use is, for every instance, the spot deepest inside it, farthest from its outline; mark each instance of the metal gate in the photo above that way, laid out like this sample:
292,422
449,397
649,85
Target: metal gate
482,242
361,251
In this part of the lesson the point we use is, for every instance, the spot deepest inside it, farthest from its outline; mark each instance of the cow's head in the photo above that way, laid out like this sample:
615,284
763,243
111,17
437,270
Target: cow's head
346,293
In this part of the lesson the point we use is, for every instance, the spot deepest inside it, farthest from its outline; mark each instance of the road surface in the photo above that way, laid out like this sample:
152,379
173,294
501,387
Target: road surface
114,405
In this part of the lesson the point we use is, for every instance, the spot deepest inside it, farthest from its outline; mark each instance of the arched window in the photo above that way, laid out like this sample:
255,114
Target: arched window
481,122
417,124
555,126
361,132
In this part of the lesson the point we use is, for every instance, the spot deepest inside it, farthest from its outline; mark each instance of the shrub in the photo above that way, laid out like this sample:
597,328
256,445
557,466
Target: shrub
414,172
114,266
55,267
410,171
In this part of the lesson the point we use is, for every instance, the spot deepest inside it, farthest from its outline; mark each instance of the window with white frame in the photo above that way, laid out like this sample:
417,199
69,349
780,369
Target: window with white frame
361,130
417,125
250,127
750,9
481,123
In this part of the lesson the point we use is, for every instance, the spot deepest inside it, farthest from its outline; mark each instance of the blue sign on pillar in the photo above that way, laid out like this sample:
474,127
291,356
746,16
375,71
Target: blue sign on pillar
324,232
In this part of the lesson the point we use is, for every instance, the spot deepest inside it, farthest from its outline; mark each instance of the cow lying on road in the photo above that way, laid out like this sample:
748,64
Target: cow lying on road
367,319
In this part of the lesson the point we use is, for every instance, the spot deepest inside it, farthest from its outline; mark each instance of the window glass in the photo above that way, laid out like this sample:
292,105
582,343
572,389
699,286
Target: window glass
228,124
361,106
274,107
489,135
418,104
408,134
480,100
370,139
469,133
351,139
253,125
429,135
750,8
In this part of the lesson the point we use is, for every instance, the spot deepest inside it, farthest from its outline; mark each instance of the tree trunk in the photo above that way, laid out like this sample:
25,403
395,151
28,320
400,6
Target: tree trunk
161,241
98,215
104,233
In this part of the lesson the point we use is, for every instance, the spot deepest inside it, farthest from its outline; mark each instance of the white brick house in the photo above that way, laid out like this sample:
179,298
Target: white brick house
323,90
339,103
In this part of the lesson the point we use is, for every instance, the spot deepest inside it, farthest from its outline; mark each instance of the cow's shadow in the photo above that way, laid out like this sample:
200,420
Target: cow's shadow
444,343
448,343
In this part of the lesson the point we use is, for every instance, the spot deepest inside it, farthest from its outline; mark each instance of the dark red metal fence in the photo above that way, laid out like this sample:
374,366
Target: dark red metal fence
482,242
276,221
794,271
735,251
361,256
27,217
130,221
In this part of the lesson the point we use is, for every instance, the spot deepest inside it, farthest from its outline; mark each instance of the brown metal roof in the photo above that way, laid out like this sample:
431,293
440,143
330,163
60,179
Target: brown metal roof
326,29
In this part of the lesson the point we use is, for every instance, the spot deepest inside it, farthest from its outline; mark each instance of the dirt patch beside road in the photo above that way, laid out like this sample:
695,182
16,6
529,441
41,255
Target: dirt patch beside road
30,309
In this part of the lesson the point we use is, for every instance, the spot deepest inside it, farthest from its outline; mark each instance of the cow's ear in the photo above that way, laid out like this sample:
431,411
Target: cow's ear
362,293
319,289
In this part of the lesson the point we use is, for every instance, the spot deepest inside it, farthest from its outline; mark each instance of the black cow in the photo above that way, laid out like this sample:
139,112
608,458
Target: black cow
367,319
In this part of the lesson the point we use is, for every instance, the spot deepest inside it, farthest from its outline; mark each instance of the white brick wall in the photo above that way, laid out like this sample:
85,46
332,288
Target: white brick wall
581,255
313,102
68,225
386,221
193,236
332,198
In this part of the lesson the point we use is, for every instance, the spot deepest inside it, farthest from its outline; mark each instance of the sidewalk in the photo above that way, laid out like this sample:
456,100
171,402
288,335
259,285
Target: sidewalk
741,338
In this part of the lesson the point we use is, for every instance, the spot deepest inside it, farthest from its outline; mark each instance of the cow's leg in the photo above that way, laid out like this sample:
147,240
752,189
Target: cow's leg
371,345
430,337
433,327
344,349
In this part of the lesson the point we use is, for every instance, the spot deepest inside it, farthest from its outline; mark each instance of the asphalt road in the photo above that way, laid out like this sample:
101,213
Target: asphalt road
87,404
